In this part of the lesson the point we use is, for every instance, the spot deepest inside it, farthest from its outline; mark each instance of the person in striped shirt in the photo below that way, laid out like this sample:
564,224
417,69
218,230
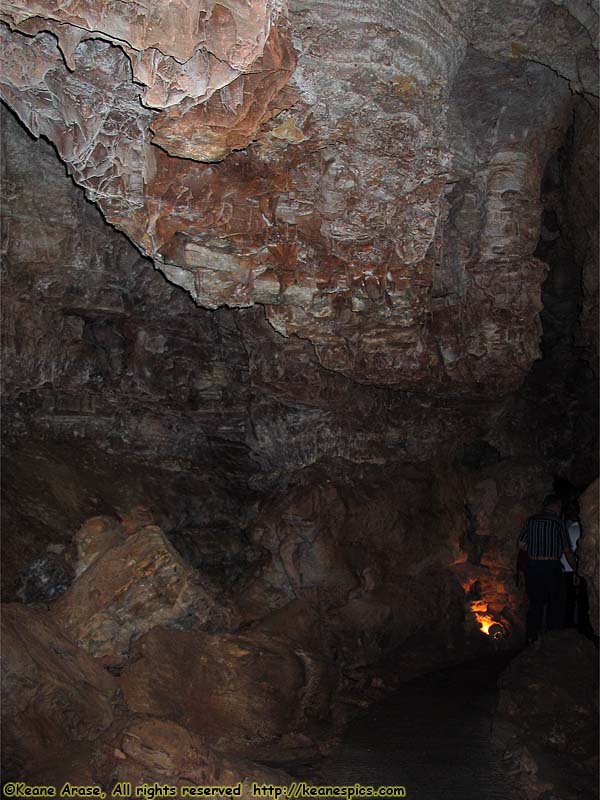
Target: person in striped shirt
545,538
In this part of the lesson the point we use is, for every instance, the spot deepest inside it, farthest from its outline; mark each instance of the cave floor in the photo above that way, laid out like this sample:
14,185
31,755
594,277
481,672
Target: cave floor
433,736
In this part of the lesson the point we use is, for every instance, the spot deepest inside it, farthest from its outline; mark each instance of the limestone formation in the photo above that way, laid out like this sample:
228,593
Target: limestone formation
175,51
63,720
54,695
95,537
267,454
371,198
156,750
247,694
129,589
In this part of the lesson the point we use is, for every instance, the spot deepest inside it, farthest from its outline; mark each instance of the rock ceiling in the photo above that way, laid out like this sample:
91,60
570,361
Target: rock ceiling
370,175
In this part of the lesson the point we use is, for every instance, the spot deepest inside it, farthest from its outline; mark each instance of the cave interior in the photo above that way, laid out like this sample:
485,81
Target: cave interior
299,326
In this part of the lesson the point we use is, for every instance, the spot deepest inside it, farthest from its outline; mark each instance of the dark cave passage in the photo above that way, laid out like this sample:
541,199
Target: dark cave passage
450,733
433,736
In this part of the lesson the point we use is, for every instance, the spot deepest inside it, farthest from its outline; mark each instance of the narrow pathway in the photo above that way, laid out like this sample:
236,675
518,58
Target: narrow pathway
433,736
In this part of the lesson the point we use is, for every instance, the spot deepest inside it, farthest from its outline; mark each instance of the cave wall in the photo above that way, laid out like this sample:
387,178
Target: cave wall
387,224
561,391
316,465
362,175
119,394
116,390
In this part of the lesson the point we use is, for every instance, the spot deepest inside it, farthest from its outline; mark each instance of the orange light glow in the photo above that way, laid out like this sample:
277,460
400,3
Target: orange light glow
479,607
485,622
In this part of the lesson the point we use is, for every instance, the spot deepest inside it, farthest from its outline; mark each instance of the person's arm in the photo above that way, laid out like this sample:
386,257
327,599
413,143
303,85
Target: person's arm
572,559
569,554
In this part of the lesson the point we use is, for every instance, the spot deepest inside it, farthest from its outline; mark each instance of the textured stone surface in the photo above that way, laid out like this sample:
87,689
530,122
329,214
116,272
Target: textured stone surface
547,716
245,693
359,572
177,51
588,548
399,179
95,537
46,577
63,719
116,389
207,419
129,589
157,750
396,204
54,695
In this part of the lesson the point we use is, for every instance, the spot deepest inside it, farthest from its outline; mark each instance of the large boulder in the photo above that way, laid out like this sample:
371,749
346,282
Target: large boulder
129,589
54,695
588,548
547,716
248,694
162,751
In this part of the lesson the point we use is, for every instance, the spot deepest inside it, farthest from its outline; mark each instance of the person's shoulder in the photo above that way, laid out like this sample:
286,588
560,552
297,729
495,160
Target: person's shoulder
547,517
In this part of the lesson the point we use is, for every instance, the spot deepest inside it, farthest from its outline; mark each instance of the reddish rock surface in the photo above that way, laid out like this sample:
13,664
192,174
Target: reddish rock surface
392,186
157,750
398,183
395,202
230,119
55,697
63,719
245,693
129,589
95,537
176,50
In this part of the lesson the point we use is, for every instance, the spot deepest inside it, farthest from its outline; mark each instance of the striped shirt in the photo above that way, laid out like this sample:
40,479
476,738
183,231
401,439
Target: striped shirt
545,535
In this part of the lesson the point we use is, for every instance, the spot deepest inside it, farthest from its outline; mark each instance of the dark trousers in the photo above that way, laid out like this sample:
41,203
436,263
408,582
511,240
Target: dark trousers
570,595
544,583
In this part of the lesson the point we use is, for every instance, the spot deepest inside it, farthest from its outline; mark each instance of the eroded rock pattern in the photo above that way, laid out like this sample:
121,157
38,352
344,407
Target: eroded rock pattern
394,179
130,588
176,51
95,537
346,453
154,750
64,720
115,390
54,695
248,694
